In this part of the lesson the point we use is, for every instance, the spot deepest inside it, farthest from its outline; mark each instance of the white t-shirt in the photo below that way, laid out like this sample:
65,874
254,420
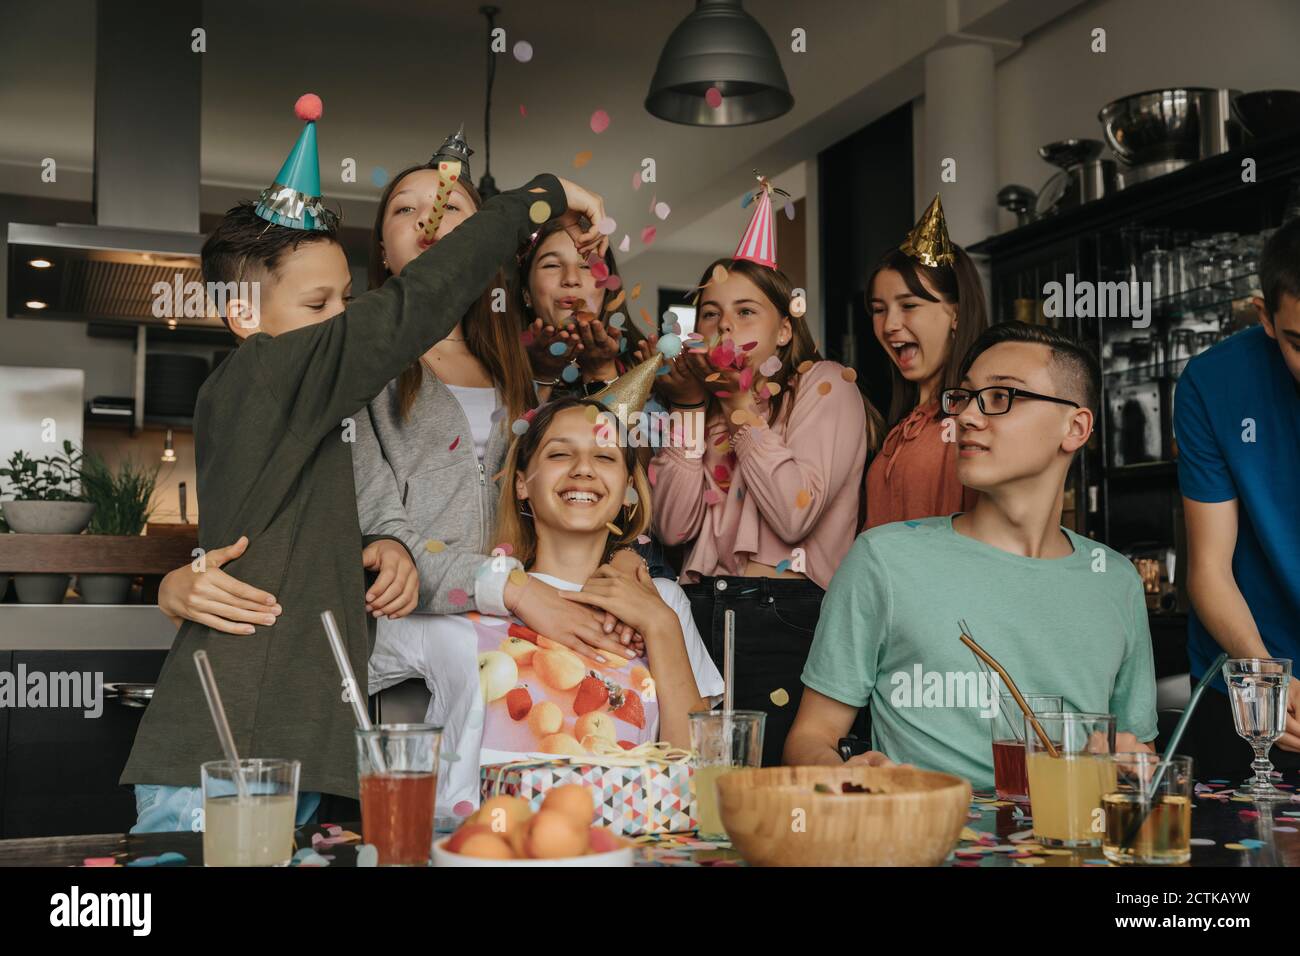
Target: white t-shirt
445,650
478,402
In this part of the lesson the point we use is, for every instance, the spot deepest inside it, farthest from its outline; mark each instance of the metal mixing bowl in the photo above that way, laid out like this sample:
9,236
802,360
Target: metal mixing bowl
1067,153
1266,112
1157,125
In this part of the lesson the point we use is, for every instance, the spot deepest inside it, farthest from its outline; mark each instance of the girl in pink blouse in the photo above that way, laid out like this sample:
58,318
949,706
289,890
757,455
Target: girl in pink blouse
771,507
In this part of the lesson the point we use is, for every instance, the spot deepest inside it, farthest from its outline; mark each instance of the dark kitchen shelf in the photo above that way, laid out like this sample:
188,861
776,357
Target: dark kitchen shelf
151,423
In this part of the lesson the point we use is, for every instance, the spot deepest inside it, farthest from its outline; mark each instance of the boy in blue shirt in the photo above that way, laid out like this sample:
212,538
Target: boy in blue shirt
1237,422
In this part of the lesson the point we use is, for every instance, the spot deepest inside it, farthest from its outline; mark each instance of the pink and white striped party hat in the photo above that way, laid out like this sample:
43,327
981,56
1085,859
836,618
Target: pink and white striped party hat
758,244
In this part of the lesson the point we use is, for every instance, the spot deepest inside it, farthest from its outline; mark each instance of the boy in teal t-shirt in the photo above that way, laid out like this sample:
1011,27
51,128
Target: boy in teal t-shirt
1063,614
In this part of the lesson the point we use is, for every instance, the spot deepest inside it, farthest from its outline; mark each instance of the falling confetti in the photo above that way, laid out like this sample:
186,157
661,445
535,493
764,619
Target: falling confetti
606,226
519,577
780,696
582,159
539,211
435,547
458,597
662,210
770,366
463,809
648,235
713,497
558,348
522,111
455,442
739,416
613,528
379,176
803,499
570,373
636,291
789,210
824,388
614,303
599,121
721,472
523,51
505,547
626,244
616,320
713,97
772,389
783,565
849,374
519,426
805,367
719,274
798,307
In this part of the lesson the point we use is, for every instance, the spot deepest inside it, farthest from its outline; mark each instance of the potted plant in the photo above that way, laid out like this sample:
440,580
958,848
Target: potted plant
44,499
121,499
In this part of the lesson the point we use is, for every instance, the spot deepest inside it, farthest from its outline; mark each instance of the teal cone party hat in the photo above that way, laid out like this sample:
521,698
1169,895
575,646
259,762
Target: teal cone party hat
293,200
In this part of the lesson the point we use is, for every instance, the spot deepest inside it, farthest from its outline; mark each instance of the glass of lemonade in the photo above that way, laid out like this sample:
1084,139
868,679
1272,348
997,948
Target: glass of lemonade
1066,790
722,740
258,829
397,766
1149,813
1008,727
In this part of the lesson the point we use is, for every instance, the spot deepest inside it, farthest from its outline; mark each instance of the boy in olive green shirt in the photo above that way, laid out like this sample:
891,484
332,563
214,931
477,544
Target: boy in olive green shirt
1062,613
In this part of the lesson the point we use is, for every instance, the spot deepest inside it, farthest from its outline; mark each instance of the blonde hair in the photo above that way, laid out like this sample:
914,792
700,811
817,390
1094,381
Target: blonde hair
518,530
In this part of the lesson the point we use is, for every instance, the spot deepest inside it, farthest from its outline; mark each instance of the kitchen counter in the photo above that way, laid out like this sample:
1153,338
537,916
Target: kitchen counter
84,627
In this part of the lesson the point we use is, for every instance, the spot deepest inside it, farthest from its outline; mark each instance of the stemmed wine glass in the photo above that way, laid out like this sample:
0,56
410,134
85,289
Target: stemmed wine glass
1257,692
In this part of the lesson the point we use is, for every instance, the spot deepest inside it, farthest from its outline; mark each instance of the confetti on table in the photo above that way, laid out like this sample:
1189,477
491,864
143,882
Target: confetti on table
523,51
1252,843
648,235
143,861
803,499
582,159
1284,829
434,547
1235,846
540,211
713,97
780,697
1200,841
99,861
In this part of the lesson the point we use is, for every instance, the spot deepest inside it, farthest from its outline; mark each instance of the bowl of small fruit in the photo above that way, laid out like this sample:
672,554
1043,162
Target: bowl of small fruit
505,831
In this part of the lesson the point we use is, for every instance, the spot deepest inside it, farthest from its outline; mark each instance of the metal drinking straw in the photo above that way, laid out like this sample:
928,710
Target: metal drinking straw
224,735
350,682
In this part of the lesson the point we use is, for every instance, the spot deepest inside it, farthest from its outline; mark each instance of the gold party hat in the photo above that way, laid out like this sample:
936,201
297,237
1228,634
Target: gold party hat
928,241
628,393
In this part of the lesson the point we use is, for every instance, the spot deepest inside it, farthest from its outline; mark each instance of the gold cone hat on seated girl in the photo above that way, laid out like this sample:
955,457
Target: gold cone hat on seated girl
628,393
928,241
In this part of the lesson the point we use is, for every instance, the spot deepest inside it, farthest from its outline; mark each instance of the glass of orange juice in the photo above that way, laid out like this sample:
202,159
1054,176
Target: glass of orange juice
1066,790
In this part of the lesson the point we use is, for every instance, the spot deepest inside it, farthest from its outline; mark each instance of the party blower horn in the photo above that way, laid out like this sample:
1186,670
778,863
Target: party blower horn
448,173
987,658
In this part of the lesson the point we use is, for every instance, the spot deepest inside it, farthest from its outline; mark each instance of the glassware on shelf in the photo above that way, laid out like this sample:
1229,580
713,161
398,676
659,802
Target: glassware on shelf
1181,345
1202,271
1157,261
1183,278
1130,238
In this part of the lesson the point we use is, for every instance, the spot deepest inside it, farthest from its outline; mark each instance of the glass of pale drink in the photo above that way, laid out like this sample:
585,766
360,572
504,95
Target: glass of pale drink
1066,789
723,740
255,829
1257,692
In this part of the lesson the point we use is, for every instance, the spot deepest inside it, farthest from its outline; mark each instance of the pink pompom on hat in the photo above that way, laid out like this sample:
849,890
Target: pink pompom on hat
758,244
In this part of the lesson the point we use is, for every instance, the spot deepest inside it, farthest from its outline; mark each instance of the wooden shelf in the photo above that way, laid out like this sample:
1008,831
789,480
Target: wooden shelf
95,553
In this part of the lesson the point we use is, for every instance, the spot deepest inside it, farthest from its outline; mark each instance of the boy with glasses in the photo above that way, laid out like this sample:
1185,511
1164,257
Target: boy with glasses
1063,614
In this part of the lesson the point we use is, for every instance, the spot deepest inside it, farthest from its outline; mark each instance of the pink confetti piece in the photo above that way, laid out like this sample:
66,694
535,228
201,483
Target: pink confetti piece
626,244
652,473
643,539
99,861
771,365
648,235
746,379
636,180
662,210
713,97
713,497
458,597
606,226
505,547
599,121
611,282
522,111
721,472
599,269
463,809
455,442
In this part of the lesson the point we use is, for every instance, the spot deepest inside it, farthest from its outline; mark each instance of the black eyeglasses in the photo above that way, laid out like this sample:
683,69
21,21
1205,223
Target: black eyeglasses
992,400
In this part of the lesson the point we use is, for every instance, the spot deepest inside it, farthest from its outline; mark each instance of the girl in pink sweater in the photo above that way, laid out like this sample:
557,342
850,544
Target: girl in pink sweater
771,507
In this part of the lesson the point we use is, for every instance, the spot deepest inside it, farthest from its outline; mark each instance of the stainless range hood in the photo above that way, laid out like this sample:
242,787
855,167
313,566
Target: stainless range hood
146,199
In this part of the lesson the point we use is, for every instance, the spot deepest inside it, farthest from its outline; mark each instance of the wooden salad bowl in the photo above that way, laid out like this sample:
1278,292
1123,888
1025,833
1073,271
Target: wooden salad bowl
775,817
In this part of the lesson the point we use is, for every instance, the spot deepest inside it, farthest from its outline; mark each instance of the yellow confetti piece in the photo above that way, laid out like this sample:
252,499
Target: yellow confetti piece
582,159
720,273
772,389
1052,851
824,388
615,302
849,374
804,367
740,417
1031,861
1235,846
434,547
636,291
780,696
519,577
968,834
712,377
802,499
613,528
539,211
